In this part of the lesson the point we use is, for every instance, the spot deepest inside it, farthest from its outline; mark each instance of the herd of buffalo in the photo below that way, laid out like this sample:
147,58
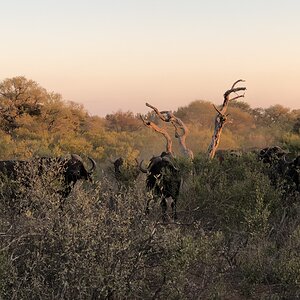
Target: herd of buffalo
163,175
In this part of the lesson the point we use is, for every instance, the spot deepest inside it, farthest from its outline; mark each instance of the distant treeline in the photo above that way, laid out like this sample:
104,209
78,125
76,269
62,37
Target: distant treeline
35,122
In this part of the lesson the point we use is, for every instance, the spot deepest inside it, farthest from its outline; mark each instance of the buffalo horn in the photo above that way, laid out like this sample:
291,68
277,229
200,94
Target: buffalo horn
165,158
93,165
142,168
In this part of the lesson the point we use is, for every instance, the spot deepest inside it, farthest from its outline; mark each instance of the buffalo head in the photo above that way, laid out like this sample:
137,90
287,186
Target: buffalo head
74,169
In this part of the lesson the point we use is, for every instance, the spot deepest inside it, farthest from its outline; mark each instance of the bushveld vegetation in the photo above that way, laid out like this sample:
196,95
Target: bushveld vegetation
237,235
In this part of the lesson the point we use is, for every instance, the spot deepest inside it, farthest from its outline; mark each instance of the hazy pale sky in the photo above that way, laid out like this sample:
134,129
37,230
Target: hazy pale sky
118,54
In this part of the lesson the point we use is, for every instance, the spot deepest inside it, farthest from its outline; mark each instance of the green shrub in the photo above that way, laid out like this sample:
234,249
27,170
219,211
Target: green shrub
235,195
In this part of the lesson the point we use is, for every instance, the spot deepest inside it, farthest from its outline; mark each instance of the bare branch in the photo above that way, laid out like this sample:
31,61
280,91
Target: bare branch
161,131
217,110
234,89
240,80
238,96
160,114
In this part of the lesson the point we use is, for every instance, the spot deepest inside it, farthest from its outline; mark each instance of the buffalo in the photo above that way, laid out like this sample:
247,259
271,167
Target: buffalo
281,170
67,171
163,181
271,155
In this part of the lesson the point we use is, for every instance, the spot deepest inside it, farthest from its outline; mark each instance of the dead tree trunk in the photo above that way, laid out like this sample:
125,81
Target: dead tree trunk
222,117
181,131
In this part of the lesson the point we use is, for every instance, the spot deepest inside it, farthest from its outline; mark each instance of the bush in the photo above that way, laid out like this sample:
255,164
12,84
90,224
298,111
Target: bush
235,238
233,196
99,246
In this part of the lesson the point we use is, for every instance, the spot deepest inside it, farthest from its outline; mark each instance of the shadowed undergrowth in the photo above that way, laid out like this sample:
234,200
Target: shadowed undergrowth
236,238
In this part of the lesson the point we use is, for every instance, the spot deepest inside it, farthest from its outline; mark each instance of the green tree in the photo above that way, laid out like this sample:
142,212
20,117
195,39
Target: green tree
278,116
198,112
122,121
19,97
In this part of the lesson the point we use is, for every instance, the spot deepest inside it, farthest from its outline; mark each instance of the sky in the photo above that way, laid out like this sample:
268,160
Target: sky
112,55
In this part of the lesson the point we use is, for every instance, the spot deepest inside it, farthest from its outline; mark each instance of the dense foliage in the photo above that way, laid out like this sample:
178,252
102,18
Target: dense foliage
237,235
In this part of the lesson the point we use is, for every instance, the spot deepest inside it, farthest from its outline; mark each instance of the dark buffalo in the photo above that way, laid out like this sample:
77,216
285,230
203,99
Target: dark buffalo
163,180
67,170
282,172
271,155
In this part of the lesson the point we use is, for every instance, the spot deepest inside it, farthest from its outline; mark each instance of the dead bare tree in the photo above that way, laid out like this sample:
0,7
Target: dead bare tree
181,131
222,117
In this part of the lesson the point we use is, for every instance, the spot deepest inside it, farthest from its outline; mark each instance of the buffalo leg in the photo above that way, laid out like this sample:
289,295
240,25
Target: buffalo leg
147,207
174,212
147,210
164,208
